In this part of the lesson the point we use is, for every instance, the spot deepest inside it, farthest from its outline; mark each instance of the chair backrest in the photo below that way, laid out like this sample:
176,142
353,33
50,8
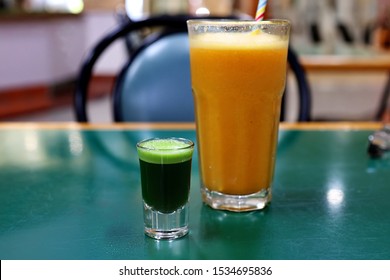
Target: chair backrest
156,83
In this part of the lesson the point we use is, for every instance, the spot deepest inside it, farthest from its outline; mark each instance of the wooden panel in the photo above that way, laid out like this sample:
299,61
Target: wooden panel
346,63
22,100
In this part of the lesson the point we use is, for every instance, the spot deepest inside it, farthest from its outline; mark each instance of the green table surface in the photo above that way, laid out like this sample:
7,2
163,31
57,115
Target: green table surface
74,193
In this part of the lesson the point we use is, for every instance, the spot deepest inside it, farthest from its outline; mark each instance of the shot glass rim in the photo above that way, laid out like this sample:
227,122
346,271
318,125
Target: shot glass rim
190,144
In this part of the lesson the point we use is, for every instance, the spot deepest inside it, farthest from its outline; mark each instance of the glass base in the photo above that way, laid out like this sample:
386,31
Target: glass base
236,203
166,225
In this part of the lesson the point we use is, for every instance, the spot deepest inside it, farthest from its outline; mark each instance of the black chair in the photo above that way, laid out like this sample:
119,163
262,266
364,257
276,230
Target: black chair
384,101
155,84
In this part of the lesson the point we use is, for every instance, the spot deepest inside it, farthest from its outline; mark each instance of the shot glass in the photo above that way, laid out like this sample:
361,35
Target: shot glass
165,166
238,72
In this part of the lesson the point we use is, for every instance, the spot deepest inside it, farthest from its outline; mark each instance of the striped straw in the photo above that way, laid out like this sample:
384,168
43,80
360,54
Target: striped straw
261,10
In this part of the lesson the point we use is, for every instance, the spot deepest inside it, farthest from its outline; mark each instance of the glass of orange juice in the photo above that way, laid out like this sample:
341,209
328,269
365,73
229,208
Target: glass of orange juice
238,72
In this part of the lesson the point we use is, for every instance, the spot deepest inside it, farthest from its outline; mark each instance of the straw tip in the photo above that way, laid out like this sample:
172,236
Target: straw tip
260,13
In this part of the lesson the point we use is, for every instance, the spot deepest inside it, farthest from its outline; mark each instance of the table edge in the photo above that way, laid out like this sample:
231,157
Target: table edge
182,126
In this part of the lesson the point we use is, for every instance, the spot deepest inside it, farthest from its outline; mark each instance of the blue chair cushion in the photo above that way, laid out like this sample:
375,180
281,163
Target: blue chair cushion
156,85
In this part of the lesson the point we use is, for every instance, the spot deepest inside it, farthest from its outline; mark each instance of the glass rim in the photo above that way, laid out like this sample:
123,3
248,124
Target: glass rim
189,144
236,22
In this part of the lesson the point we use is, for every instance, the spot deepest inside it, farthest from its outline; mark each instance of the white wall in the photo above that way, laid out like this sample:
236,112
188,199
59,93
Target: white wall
45,51
97,24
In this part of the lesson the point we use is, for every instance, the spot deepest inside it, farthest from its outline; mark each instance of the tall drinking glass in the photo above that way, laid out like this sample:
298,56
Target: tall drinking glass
238,71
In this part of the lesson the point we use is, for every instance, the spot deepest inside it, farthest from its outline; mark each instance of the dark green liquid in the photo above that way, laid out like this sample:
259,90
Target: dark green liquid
165,187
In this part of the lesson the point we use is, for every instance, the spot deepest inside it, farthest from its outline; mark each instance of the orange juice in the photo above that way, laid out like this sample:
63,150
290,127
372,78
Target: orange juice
238,80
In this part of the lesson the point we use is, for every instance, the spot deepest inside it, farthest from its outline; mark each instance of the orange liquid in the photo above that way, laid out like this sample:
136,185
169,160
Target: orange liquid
237,91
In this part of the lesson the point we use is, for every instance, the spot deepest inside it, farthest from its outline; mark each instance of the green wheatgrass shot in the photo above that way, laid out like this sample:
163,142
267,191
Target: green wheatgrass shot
165,172
165,151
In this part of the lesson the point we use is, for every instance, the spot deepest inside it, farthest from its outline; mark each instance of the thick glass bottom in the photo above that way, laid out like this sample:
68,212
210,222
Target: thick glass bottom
236,203
166,225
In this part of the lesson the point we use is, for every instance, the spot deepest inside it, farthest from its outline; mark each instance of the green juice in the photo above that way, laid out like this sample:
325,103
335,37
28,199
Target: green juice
165,173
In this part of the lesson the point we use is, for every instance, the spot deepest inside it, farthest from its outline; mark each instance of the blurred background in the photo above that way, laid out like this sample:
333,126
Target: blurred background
42,44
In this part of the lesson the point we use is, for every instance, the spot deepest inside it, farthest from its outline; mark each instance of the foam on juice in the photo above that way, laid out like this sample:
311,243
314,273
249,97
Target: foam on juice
230,41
